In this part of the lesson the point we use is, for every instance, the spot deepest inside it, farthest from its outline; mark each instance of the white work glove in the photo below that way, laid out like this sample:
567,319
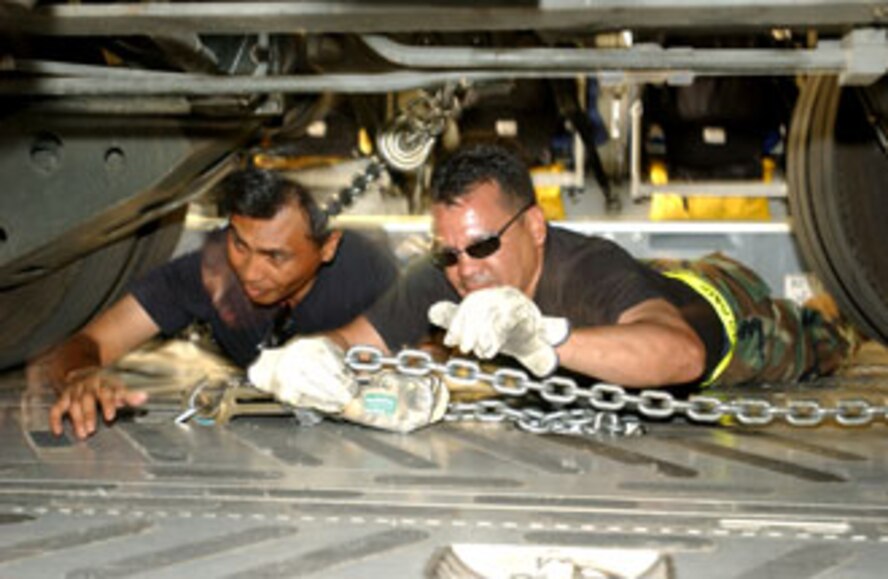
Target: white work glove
502,320
306,373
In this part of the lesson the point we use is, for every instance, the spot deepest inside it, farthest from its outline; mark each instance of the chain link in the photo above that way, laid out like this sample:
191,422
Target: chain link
603,402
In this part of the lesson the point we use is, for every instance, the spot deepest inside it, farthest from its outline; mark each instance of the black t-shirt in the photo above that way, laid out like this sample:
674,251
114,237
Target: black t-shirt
589,280
201,286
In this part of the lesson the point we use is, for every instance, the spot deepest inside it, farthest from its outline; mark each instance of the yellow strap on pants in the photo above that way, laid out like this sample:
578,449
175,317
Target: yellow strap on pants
722,309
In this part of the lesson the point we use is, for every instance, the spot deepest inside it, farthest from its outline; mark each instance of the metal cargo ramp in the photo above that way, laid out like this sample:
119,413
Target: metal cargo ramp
260,497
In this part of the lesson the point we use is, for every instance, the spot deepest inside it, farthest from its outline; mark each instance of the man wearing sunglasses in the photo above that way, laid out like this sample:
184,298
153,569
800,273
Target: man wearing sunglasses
502,281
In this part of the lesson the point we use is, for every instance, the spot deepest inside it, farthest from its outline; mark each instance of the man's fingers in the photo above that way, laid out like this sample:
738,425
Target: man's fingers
471,336
108,399
123,396
487,345
467,341
58,410
495,333
555,330
135,398
82,401
455,329
261,373
88,403
75,415
471,327
455,318
540,358
441,313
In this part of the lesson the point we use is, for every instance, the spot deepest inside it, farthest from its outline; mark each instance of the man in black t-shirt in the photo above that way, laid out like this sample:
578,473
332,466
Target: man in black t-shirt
503,282
275,271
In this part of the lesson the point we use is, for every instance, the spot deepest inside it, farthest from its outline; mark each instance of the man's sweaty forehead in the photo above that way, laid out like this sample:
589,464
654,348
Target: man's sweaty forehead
270,249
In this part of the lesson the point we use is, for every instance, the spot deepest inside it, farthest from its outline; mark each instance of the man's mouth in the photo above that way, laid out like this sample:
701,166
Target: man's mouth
476,287
254,292
478,283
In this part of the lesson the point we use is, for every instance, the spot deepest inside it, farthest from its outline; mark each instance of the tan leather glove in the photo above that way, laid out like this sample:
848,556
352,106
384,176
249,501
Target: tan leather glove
397,402
502,320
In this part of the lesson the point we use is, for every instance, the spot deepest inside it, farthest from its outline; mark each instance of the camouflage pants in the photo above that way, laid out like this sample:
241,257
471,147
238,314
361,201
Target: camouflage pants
777,341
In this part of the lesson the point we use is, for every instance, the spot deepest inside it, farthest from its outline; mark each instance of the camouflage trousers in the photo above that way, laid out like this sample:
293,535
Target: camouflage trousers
777,340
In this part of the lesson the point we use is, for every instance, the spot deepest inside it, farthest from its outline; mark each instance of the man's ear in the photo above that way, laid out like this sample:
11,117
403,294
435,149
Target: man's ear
536,223
331,246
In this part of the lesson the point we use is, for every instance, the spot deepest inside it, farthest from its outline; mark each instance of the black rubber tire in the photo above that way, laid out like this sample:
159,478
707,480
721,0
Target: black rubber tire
838,177
39,314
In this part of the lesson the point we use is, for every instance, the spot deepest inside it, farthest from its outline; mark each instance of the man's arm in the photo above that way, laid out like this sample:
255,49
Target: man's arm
72,367
358,332
651,345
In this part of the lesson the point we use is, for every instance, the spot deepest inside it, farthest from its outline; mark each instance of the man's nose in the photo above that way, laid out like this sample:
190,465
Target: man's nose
251,269
466,265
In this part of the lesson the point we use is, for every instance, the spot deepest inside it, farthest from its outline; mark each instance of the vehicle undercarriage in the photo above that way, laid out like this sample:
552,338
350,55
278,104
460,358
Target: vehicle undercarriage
117,115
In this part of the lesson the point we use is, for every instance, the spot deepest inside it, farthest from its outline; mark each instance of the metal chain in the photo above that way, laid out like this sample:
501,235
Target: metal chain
335,204
602,402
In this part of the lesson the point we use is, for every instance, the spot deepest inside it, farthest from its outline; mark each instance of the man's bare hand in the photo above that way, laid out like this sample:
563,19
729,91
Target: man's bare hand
87,392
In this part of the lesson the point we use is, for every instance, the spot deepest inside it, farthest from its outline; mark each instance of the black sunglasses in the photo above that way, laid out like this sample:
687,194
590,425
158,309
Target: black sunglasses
448,256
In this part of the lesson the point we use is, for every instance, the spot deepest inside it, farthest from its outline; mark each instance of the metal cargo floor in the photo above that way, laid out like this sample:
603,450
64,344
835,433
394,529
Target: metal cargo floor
262,498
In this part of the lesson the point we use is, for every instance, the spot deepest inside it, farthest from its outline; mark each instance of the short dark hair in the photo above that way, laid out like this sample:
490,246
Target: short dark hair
473,165
260,194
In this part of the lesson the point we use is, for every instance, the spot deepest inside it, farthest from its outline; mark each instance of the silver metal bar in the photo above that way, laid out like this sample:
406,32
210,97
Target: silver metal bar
408,225
69,69
292,17
375,83
860,58
828,57
156,105
189,84
636,109
718,189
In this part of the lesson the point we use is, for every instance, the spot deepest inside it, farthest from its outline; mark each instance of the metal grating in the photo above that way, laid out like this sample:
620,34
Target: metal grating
264,498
